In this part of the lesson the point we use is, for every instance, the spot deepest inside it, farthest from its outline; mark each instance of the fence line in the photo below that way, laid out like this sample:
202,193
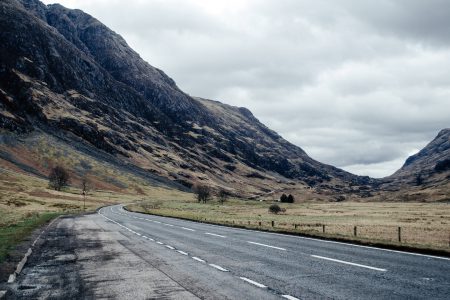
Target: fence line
398,234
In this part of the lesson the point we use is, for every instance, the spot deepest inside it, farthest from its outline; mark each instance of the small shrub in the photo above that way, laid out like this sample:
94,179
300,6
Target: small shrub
290,199
287,199
222,195
274,209
203,192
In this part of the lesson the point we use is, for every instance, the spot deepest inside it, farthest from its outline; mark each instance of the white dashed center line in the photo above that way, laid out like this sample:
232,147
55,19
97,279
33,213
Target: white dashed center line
182,252
170,247
160,243
260,285
214,234
185,228
219,268
289,297
264,245
198,259
349,263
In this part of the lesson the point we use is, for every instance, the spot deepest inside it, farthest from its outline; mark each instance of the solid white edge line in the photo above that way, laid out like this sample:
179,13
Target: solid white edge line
260,285
182,252
264,245
198,259
219,268
214,234
289,297
349,263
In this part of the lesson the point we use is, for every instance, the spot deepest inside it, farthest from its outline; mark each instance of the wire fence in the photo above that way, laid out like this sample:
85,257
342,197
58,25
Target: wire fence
397,234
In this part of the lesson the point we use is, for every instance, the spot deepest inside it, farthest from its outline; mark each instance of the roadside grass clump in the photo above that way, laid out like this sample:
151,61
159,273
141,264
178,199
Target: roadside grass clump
13,234
274,209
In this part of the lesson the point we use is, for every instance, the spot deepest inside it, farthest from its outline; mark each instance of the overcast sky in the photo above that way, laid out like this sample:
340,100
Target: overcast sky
357,84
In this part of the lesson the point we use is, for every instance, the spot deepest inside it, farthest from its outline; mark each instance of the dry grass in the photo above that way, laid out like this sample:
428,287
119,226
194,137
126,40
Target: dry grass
423,225
26,203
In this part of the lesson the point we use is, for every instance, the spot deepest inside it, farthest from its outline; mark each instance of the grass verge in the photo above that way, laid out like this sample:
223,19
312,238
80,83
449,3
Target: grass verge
13,234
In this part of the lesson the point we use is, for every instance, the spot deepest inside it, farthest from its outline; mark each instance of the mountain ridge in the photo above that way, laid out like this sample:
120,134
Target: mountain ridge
62,70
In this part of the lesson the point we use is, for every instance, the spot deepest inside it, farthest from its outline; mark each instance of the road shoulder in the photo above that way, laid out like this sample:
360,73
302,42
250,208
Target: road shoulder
78,259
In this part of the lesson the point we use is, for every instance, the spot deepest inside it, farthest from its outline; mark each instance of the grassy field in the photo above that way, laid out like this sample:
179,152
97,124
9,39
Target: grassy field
26,203
423,225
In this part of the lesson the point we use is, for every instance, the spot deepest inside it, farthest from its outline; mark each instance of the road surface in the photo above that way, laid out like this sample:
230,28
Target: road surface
282,265
116,254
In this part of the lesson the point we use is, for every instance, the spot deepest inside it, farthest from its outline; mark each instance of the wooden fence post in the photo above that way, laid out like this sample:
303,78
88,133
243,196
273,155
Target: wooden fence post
355,231
295,226
259,223
323,228
399,234
273,223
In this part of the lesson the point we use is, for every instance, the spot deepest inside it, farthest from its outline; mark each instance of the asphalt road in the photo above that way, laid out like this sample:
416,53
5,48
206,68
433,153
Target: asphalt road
221,262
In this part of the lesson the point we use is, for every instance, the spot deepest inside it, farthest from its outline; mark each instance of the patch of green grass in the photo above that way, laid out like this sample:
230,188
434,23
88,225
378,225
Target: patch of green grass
13,234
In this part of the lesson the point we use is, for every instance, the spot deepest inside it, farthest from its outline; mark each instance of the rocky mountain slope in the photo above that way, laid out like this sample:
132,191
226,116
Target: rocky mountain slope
61,70
69,79
429,166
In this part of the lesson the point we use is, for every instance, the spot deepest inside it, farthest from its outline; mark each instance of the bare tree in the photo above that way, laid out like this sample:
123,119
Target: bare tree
222,195
58,178
86,186
203,192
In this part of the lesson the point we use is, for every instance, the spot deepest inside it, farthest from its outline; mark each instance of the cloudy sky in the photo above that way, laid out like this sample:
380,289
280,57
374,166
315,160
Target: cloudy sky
357,84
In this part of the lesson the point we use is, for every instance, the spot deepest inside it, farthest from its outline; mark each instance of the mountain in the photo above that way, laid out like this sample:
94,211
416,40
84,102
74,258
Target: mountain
430,166
69,82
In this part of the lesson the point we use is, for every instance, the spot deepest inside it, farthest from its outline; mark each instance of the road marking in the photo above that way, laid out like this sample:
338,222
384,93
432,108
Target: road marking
168,224
214,234
260,285
219,268
160,243
289,297
264,245
182,252
157,222
349,263
198,259
185,228
170,247
150,239
138,234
